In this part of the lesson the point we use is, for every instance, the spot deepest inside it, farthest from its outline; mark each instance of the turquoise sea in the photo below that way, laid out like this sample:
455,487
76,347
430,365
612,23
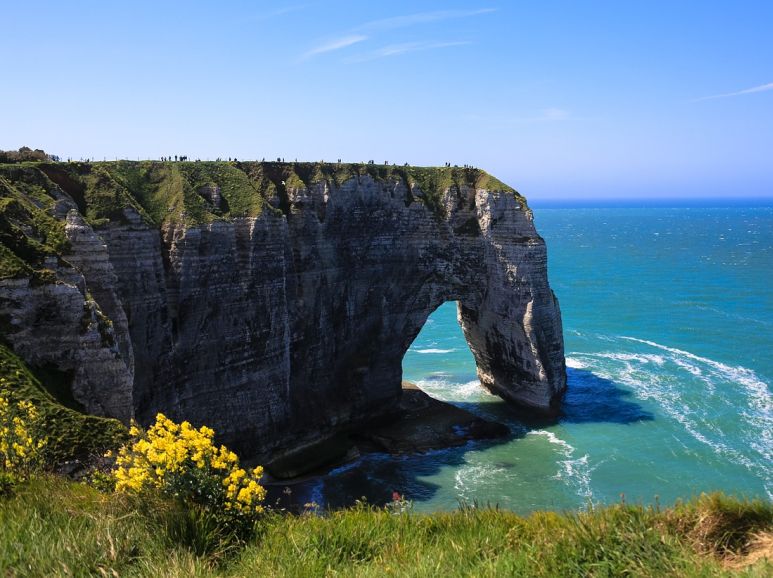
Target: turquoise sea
668,325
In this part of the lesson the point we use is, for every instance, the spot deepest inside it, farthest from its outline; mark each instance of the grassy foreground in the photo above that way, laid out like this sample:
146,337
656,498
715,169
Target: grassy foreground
50,526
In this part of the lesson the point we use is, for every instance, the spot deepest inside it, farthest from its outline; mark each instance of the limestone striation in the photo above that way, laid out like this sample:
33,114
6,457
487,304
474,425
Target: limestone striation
273,302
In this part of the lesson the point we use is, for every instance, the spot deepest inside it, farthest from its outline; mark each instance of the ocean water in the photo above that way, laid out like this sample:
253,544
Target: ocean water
668,326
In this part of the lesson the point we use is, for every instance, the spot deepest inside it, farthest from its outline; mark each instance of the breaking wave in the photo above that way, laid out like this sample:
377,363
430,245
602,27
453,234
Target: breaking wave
574,363
433,350
469,478
573,471
692,390
451,392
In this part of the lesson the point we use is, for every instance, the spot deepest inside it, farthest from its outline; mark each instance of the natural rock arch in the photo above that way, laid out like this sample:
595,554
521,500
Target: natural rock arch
383,265
283,325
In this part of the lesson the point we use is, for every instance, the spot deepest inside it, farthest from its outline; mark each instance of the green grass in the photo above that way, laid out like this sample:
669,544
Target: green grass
71,434
50,526
164,192
28,232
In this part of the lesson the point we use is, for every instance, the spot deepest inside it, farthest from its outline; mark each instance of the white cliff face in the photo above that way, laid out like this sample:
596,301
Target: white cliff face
515,333
56,326
277,329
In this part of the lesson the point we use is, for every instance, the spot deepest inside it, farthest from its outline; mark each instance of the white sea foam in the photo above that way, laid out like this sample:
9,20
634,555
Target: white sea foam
640,357
738,389
697,372
434,350
742,375
555,440
574,471
694,369
452,391
575,363
667,393
579,471
756,390
472,389
470,478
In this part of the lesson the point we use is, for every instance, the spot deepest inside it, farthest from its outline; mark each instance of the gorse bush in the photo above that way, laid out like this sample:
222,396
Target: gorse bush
182,462
20,441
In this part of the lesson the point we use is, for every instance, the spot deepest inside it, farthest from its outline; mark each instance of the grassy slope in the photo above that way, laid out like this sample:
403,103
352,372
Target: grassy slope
171,192
28,232
29,235
52,527
71,434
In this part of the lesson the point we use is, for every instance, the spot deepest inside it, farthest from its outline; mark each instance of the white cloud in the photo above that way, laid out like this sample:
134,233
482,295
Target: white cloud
404,48
422,17
333,45
761,88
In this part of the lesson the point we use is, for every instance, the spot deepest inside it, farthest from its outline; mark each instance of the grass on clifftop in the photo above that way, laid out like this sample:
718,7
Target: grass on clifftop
28,232
51,526
178,192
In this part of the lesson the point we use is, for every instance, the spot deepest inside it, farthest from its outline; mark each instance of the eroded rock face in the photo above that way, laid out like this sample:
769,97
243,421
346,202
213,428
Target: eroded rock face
277,329
58,328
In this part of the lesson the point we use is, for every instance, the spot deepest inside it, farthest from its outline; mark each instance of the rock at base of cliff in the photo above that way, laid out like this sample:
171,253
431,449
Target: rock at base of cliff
421,423
424,423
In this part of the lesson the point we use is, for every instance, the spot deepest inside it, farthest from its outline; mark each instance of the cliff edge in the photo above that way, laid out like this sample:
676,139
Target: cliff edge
272,301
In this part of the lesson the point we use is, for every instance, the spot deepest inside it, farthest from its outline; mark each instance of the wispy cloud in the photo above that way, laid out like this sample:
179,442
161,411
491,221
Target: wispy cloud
421,18
761,88
333,45
404,48
364,31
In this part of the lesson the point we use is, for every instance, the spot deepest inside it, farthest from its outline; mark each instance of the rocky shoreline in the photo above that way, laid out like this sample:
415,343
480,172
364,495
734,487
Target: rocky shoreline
420,424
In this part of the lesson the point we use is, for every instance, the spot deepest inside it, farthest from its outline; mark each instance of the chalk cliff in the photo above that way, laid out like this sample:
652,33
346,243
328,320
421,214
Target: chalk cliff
273,302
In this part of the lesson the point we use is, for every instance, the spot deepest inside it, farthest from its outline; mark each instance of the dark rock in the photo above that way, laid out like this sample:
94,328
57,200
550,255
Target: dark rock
275,328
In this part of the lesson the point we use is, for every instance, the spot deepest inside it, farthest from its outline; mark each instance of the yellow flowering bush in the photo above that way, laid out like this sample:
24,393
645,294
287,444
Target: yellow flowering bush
183,462
20,442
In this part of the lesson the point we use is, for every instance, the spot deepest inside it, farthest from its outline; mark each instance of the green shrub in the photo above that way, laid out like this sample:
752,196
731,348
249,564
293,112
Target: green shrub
71,435
215,499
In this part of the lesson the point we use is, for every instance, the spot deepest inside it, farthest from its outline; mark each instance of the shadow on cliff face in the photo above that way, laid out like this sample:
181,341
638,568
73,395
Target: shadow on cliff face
374,477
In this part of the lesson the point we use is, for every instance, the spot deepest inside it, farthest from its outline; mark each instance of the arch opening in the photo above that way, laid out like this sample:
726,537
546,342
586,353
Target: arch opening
439,360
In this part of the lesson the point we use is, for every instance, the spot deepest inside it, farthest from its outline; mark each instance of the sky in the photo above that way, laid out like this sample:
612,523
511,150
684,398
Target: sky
575,99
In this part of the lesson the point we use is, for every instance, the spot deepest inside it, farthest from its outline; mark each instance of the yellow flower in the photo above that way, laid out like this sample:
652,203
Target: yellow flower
159,456
19,445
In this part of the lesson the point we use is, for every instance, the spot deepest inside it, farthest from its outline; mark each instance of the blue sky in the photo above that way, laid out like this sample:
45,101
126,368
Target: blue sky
559,99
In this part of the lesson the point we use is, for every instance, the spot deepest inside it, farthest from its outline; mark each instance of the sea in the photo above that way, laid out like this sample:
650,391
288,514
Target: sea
668,328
